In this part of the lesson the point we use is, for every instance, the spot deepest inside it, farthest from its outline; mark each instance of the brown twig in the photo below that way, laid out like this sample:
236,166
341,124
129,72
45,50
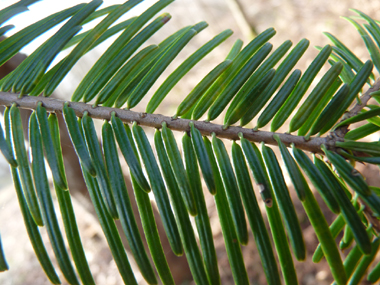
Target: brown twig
155,121
340,132
371,216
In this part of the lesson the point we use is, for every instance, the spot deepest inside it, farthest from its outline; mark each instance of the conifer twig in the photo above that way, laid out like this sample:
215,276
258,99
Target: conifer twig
155,121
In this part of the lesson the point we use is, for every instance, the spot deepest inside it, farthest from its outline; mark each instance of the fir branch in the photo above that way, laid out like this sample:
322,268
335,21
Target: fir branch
156,120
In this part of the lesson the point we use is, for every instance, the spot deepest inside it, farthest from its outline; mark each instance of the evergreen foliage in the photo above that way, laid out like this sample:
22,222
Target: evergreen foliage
242,84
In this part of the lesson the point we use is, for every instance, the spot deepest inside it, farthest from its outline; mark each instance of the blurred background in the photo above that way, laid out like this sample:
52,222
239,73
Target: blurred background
292,19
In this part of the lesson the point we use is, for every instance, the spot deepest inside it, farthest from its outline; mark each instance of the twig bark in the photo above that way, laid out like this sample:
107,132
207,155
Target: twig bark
340,132
155,121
